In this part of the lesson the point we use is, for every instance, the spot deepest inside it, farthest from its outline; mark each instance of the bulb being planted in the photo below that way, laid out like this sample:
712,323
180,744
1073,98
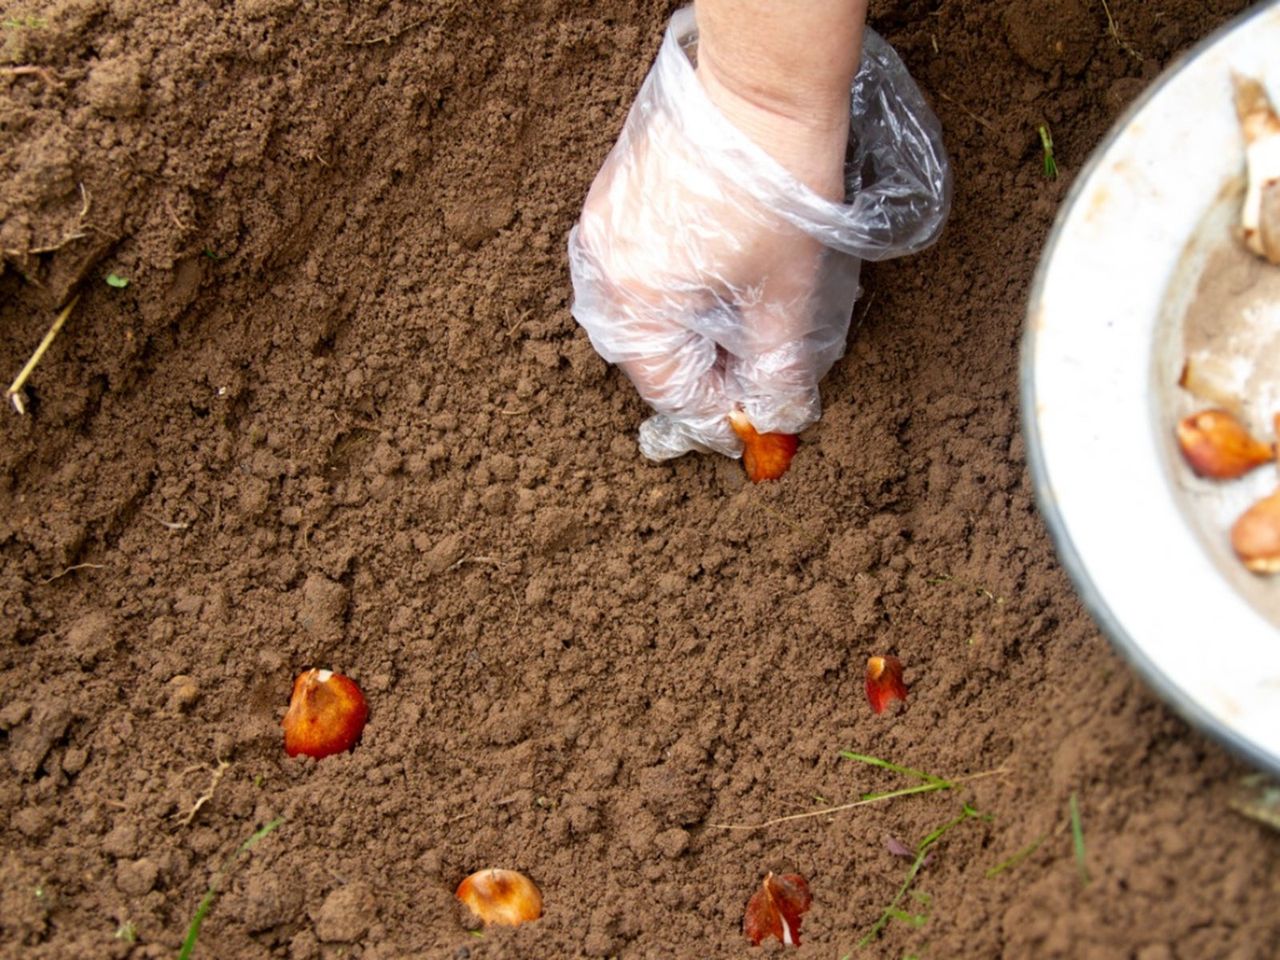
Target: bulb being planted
1260,216
765,456
326,714
504,897
884,682
1215,444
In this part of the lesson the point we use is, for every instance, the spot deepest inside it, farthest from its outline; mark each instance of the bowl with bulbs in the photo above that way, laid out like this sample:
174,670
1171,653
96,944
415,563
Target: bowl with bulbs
1150,377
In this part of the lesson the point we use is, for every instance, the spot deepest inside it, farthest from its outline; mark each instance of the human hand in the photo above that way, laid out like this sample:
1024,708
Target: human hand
714,260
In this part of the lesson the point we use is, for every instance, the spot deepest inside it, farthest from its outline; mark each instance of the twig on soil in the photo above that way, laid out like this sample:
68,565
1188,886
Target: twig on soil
177,221
30,70
76,234
85,204
928,787
975,117
51,248
511,330
309,154
386,38
206,902
491,561
1115,34
72,569
14,393
168,524
205,797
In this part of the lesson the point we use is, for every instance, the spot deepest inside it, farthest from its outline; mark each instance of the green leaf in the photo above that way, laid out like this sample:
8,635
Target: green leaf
922,850
1046,146
1017,858
1077,838
206,902
896,768
117,281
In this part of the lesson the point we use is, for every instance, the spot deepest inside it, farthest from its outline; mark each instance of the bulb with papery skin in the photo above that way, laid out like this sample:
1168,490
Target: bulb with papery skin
505,897
1260,213
327,713
765,456
1255,537
884,682
776,908
1216,444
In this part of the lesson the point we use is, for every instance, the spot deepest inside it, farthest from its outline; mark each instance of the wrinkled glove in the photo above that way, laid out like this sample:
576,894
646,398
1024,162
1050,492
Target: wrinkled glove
719,281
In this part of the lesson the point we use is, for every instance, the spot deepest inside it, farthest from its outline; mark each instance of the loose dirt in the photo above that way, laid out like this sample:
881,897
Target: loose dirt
341,416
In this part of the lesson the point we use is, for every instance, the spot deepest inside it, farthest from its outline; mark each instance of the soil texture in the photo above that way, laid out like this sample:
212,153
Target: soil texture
340,416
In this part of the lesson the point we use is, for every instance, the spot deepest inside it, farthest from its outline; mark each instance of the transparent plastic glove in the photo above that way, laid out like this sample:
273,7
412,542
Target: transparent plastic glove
715,278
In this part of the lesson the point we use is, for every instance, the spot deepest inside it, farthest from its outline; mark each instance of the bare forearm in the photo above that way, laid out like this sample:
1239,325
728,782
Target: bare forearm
788,56
781,71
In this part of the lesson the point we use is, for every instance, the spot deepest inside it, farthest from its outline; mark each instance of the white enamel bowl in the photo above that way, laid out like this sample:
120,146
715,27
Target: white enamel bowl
1145,542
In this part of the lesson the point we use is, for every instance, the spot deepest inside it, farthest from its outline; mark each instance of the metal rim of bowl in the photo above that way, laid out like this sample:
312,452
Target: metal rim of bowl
1088,591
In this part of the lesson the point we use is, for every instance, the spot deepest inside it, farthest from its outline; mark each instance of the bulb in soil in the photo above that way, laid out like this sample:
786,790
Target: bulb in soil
326,714
884,682
505,897
1260,215
765,456
1255,537
1215,444
776,908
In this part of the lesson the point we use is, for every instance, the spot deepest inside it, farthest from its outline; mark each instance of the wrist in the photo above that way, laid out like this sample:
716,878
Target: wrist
809,96
804,130
782,74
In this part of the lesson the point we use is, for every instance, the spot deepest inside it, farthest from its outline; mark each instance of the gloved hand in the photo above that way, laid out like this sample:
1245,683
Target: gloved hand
713,269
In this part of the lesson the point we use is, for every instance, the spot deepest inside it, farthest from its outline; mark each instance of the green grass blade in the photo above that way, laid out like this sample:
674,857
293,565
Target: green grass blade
906,791
967,812
922,851
886,765
258,835
206,902
914,920
193,931
1017,858
887,915
1046,146
1077,838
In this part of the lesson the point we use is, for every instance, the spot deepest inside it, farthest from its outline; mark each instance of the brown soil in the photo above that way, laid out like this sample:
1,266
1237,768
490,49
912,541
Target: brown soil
341,416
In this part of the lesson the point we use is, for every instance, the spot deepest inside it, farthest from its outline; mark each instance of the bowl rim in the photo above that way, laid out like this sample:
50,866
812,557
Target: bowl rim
1068,554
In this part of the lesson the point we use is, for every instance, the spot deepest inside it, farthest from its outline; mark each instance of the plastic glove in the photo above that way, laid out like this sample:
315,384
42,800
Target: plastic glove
714,277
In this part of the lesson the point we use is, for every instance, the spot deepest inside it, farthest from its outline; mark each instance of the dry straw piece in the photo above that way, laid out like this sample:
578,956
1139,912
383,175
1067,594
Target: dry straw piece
14,393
